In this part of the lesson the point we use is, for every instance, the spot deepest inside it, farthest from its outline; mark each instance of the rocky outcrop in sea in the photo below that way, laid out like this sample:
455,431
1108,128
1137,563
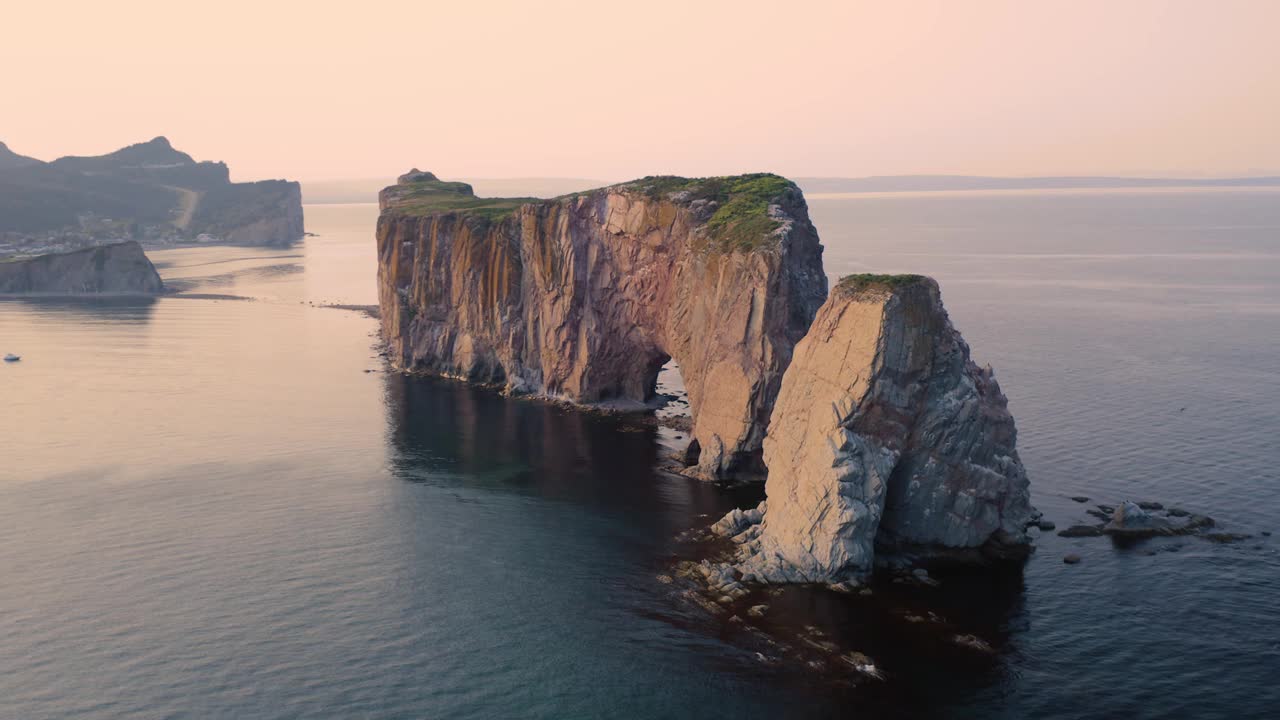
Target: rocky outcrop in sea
885,437
878,433
585,297
119,269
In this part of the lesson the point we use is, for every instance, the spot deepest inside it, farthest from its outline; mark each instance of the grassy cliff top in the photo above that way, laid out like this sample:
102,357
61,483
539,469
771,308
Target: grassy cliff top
421,193
740,220
869,281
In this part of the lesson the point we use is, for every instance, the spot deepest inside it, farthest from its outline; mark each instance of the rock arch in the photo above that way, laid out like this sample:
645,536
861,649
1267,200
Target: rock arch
583,298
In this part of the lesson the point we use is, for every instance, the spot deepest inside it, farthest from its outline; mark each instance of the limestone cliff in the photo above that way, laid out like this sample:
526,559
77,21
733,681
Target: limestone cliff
886,435
586,296
120,269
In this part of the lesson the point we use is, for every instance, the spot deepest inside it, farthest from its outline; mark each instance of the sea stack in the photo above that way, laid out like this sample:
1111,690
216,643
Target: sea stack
117,269
585,297
885,438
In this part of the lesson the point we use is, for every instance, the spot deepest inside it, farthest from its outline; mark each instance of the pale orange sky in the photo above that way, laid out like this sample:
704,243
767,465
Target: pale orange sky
611,90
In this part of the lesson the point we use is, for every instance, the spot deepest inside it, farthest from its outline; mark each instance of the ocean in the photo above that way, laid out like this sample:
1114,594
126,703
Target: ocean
225,506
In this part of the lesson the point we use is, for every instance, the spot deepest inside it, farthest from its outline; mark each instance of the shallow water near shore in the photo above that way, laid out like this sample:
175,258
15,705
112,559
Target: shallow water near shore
217,507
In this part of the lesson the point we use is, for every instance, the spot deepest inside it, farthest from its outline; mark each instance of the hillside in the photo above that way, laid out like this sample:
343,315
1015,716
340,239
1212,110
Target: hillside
11,159
148,191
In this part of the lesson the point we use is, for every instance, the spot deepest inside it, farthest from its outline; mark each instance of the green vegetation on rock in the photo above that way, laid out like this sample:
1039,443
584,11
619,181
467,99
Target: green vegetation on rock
426,197
868,281
741,220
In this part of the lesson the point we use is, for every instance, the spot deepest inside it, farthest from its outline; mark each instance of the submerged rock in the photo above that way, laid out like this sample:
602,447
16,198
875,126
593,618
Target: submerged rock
1130,519
973,642
1080,531
1225,538
885,432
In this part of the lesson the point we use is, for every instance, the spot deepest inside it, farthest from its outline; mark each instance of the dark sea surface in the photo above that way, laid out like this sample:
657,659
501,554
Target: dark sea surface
209,508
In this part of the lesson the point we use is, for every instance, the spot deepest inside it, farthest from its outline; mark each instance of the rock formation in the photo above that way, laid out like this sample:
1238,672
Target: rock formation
586,296
147,191
885,435
120,269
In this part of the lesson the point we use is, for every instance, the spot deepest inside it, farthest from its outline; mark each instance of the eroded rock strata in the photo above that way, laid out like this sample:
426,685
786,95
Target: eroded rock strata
885,436
586,296
119,269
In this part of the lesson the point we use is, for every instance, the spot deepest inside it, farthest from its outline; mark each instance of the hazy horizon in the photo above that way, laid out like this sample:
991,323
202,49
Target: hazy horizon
577,90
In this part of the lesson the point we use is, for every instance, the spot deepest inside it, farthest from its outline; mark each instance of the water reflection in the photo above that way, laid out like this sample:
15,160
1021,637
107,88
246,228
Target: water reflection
123,310
251,277
451,435
445,432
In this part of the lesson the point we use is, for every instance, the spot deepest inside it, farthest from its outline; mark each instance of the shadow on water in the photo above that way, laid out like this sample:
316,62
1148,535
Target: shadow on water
447,432
450,434
132,309
942,650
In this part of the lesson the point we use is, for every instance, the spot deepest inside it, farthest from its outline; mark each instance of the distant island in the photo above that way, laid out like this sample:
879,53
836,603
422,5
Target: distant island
148,192
115,269
943,183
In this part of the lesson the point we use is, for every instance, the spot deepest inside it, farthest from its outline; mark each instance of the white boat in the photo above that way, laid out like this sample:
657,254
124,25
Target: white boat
11,358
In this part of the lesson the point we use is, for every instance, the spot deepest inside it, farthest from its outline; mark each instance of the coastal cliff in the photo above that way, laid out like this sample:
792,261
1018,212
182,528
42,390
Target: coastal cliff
268,212
119,269
585,297
885,437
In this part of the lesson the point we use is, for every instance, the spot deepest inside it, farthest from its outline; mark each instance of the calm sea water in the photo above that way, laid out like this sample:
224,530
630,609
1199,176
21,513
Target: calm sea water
210,508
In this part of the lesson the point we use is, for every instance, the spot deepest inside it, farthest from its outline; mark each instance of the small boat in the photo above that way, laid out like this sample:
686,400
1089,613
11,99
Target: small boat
11,358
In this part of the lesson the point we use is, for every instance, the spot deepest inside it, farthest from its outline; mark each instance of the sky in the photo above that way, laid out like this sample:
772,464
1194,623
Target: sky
332,89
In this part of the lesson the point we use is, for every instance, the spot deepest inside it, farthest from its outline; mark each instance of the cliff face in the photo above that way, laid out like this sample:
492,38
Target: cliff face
121,269
260,213
885,435
585,297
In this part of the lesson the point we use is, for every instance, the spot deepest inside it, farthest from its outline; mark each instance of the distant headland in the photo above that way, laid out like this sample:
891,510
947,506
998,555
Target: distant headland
961,183
148,192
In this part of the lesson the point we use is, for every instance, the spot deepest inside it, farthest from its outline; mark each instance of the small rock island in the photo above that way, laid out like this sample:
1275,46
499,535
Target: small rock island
885,437
875,429
118,269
